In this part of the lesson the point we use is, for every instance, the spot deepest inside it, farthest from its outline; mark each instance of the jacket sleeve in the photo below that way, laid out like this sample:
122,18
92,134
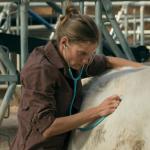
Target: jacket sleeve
97,66
38,83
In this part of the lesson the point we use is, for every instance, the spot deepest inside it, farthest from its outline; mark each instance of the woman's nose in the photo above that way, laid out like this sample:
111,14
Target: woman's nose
85,60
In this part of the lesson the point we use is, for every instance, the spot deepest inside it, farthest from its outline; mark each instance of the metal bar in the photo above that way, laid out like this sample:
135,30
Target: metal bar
9,27
81,3
33,4
110,15
98,19
88,2
24,31
6,25
12,57
118,17
136,3
53,33
8,112
142,24
17,23
33,27
18,33
131,21
9,19
85,10
147,43
64,7
130,17
40,19
2,68
117,3
112,43
137,35
126,23
59,1
134,26
122,17
8,64
8,137
147,36
120,26
137,32
10,78
55,7
5,102
12,71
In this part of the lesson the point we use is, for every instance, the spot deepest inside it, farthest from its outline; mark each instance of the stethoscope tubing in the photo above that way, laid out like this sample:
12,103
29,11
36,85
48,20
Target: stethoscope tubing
74,94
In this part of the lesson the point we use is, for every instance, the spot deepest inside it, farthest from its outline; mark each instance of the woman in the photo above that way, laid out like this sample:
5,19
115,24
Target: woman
43,113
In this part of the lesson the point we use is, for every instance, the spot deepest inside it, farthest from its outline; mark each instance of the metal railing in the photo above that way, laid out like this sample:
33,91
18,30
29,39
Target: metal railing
12,78
124,19
108,10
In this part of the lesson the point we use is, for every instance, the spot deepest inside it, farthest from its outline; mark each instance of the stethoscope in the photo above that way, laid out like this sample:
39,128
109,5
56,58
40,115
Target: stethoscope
74,94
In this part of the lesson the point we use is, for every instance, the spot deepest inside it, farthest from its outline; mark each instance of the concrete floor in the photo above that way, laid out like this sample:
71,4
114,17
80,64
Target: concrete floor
9,126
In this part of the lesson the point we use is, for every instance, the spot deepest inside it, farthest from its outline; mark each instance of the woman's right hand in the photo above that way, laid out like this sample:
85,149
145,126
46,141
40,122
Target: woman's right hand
65,124
109,105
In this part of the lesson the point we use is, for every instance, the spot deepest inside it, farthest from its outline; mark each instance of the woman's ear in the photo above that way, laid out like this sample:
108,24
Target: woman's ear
64,40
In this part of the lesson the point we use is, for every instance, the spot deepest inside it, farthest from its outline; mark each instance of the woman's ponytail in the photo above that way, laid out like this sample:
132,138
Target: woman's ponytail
70,11
76,27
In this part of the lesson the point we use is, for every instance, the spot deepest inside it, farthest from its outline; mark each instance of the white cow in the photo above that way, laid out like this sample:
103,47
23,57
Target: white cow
128,128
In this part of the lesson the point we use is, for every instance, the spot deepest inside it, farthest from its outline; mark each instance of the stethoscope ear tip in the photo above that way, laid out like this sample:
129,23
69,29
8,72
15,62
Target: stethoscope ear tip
65,45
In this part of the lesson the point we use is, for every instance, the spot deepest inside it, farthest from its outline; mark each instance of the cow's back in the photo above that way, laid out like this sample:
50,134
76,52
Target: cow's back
128,127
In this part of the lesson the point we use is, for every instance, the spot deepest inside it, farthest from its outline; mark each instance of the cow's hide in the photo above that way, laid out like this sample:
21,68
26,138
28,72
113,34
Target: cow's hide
128,128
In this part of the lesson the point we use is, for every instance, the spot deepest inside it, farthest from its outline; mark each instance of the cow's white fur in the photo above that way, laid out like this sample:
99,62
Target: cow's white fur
128,128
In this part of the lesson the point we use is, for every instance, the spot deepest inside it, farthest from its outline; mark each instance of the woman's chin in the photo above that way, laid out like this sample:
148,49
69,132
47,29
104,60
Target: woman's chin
76,67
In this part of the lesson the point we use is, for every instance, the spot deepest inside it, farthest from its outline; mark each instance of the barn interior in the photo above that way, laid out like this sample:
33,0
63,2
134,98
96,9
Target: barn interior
26,24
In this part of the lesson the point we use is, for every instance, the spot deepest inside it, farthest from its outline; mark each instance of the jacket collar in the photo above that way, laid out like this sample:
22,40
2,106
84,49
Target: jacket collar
53,55
56,60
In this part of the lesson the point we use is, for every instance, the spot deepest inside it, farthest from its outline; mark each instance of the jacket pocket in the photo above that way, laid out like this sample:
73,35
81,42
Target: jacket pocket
63,101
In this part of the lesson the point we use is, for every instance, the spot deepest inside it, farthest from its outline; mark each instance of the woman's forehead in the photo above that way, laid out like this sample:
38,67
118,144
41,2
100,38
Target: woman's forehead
88,46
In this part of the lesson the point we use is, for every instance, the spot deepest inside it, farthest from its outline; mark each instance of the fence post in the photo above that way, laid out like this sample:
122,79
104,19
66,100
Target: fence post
64,7
142,24
81,3
24,31
134,26
98,19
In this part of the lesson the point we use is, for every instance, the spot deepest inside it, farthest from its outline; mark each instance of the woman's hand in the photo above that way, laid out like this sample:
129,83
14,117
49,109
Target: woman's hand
109,105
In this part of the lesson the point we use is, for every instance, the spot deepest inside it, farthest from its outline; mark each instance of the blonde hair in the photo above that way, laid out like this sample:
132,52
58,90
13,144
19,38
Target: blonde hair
77,28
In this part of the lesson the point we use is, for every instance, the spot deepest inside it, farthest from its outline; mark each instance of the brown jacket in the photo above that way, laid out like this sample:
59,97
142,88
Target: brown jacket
47,94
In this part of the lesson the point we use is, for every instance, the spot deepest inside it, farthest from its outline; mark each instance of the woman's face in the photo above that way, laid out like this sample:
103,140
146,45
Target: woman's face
78,54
